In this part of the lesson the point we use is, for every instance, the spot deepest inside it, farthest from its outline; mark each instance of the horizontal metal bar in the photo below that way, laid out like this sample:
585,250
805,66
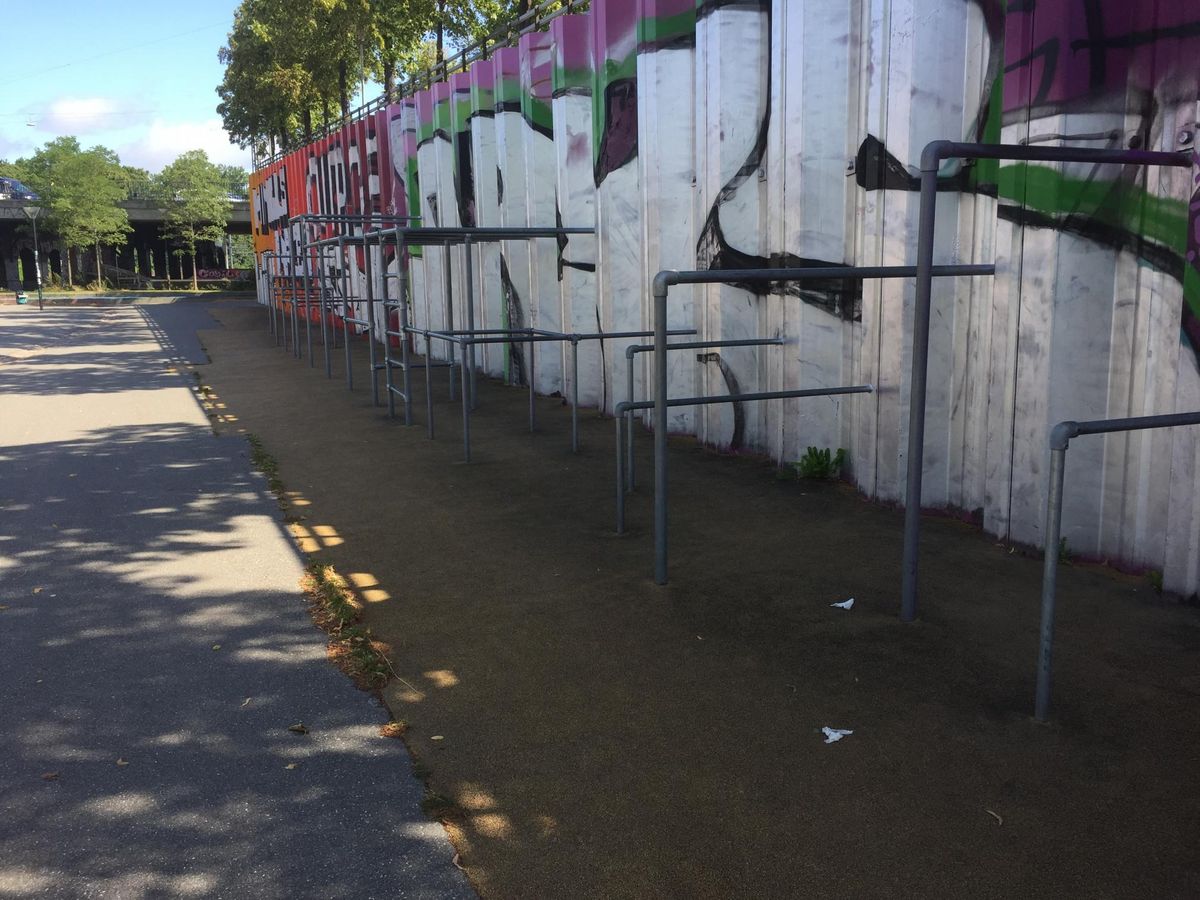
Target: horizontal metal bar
625,405
618,335
729,276
939,150
1061,434
634,349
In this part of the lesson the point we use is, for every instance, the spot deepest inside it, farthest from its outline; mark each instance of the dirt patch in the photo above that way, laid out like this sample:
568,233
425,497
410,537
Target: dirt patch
593,735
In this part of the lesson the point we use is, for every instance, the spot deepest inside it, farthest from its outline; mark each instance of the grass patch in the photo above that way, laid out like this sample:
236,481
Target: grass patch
265,463
352,647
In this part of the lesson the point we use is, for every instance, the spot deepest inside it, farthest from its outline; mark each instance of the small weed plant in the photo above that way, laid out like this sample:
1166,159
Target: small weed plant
821,464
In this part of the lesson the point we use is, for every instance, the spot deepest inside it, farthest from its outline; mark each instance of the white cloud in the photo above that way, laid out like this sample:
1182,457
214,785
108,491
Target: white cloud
82,115
163,141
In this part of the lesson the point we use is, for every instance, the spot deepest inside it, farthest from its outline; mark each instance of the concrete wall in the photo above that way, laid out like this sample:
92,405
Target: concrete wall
786,132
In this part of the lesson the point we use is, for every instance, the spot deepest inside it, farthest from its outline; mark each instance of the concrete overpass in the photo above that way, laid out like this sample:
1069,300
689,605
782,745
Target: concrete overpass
145,251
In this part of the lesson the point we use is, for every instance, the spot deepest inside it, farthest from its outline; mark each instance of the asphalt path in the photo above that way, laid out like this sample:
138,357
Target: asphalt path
155,648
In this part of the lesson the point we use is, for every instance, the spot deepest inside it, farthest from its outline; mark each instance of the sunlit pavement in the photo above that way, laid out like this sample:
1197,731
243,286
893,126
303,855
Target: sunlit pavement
154,648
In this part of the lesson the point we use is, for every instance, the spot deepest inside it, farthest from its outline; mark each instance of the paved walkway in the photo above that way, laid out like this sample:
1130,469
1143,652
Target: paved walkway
154,648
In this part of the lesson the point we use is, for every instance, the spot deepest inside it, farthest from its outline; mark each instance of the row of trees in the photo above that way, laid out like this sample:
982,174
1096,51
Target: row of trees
291,66
80,192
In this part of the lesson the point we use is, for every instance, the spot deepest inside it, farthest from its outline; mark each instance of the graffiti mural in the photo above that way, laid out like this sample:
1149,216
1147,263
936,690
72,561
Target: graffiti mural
770,133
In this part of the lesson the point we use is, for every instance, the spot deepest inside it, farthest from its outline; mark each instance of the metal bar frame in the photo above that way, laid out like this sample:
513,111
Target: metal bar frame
634,349
1060,439
931,158
624,407
660,286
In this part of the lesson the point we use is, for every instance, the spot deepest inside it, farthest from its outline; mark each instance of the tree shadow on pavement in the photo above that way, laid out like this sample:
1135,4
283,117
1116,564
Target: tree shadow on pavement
156,651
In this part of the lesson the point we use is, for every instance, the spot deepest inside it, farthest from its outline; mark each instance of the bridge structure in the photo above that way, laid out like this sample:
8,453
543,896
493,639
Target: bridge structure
146,258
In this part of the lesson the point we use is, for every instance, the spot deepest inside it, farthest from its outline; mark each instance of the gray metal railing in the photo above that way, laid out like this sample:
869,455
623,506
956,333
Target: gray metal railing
931,158
663,281
1060,439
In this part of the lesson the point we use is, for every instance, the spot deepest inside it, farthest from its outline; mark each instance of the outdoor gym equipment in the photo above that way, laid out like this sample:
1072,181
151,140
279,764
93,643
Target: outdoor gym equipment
662,283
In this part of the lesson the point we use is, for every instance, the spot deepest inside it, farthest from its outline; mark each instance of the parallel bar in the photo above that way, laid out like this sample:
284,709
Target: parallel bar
1060,439
634,349
931,159
660,286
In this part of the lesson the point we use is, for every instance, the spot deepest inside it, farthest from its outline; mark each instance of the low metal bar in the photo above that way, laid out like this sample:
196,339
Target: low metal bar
624,407
1060,440
634,349
931,158
660,286
448,303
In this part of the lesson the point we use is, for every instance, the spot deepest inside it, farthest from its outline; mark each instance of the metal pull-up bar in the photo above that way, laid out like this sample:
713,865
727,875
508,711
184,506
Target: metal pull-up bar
1060,439
931,158
634,349
662,283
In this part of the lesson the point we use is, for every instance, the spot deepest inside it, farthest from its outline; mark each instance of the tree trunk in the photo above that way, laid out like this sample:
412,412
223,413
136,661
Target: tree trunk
99,268
389,81
195,282
67,254
308,126
344,88
441,31
272,137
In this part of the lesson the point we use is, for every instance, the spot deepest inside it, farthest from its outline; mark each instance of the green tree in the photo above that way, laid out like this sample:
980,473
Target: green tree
80,190
195,197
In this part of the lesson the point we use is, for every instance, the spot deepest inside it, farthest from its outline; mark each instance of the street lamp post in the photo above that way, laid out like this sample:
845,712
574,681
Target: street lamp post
32,213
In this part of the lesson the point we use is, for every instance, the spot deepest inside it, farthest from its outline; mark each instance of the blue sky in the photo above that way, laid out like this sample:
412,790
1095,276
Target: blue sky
138,77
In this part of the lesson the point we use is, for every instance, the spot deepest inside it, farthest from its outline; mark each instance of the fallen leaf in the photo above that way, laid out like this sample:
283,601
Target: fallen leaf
995,815
216,646
49,776
457,860
438,737
298,728
3,607
291,765
245,703
122,761
37,590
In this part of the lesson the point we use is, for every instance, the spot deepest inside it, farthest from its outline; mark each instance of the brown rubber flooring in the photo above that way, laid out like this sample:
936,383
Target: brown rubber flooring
607,738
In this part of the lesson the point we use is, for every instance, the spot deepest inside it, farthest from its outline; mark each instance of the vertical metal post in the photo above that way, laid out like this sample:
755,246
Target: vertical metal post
660,429
465,374
449,307
295,296
470,286
618,421
532,411
308,302
629,477
1053,533
574,395
428,388
323,300
916,391
346,310
369,273
404,336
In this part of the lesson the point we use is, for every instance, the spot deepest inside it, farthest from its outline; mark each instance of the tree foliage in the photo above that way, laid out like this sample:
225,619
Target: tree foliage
291,65
195,195
79,191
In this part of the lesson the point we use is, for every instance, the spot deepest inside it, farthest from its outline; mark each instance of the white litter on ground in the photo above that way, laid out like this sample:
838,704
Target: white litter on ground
845,604
833,735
